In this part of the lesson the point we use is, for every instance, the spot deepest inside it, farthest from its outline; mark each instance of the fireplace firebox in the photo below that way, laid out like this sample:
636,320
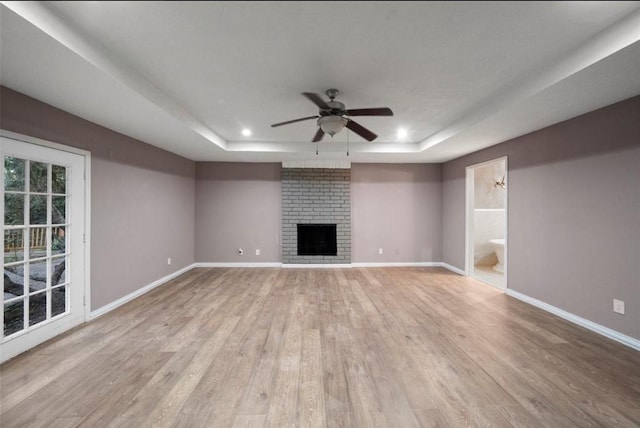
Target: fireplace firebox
317,240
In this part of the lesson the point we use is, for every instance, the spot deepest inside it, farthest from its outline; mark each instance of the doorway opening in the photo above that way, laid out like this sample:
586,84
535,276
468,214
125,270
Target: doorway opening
486,222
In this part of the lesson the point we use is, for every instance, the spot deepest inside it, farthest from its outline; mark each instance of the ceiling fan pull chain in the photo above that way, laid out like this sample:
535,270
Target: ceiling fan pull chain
316,148
347,142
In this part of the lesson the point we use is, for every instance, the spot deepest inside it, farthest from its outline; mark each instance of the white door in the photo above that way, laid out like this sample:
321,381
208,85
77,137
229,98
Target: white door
43,254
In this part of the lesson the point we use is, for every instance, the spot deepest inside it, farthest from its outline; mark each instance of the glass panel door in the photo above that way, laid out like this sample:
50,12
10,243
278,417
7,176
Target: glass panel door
43,254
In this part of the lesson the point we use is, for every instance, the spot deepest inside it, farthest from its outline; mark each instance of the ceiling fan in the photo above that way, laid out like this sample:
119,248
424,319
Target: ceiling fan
331,117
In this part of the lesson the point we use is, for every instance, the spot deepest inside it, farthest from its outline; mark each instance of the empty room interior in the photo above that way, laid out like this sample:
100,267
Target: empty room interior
320,214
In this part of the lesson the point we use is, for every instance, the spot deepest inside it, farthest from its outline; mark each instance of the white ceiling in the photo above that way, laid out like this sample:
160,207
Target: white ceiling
189,76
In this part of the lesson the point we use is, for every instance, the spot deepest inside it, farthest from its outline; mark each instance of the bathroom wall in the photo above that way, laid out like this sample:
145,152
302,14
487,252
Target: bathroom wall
488,224
487,194
574,211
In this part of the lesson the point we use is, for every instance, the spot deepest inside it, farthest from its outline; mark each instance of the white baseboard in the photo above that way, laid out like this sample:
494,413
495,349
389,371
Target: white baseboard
234,264
397,264
453,269
311,265
589,325
139,292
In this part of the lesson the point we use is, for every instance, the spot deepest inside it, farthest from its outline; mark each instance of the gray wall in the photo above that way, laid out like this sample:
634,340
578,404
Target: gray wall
393,206
573,214
142,198
396,207
237,206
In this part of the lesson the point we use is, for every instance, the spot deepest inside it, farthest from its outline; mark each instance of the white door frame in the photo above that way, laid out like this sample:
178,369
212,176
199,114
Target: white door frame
86,211
469,242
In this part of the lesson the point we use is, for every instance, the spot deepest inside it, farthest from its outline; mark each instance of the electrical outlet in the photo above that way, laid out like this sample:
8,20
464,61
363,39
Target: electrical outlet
379,250
169,261
257,251
618,306
240,251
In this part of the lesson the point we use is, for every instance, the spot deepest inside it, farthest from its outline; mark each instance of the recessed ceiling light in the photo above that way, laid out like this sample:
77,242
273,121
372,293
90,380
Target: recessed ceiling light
246,132
402,133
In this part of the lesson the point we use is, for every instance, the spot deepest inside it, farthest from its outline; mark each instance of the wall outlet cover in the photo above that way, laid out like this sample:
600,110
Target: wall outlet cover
618,306
257,252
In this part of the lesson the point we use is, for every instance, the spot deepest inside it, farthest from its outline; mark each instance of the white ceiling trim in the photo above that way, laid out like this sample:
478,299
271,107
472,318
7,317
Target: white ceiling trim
617,37
327,146
331,164
82,44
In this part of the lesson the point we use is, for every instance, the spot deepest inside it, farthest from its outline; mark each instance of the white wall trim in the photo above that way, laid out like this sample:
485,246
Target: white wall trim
323,265
87,236
412,264
311,265
397,264
139,292
233,264
322,163
453,269
589,325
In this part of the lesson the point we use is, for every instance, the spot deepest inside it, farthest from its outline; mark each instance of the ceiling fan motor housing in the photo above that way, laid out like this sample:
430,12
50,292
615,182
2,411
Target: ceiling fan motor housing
336,108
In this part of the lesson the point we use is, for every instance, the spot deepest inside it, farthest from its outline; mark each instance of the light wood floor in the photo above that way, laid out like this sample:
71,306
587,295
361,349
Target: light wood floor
389,347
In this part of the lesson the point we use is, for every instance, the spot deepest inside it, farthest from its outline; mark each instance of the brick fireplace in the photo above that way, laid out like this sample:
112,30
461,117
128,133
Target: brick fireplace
316,196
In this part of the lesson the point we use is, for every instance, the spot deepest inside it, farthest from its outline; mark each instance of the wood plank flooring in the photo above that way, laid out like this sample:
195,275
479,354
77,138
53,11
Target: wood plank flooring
360,347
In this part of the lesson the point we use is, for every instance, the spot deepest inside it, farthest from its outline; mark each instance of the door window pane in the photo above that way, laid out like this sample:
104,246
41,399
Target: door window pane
58,179
38,177
37,242
58,301
13,209
13,281
38,209
58,240
59,210
13,245
13,317
37,308
58,271
37,275
14,174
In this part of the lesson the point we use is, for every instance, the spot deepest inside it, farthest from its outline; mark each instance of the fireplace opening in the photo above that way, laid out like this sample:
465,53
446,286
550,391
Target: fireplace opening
317,240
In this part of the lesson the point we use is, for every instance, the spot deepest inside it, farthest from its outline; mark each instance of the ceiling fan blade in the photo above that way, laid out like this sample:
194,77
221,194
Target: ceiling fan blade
381,111
318,135
294,121
361,130
316,99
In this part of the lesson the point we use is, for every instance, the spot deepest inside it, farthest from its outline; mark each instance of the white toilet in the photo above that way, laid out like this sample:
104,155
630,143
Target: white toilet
498,248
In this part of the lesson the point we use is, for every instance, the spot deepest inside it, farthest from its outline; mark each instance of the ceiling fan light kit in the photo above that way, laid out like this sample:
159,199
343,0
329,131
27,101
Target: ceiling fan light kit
332,124
331,116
